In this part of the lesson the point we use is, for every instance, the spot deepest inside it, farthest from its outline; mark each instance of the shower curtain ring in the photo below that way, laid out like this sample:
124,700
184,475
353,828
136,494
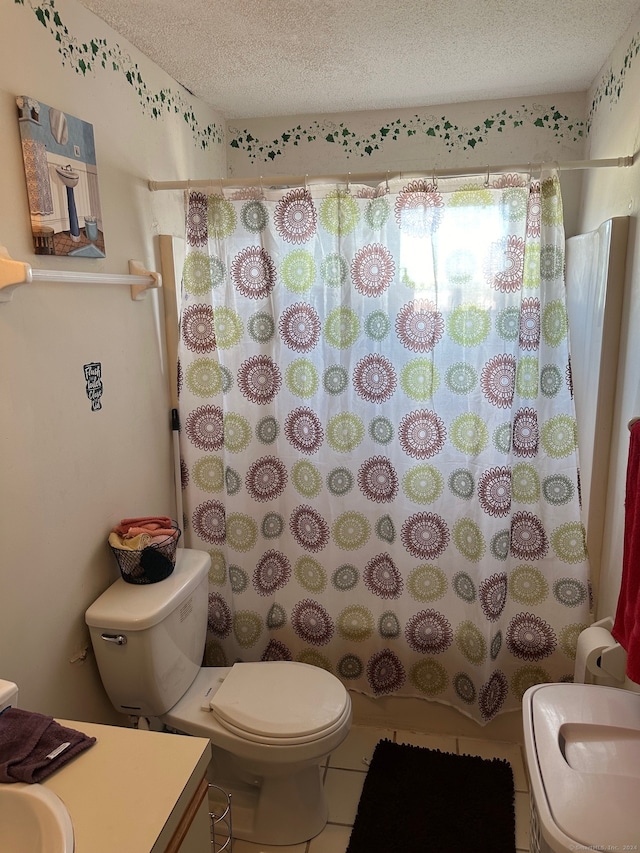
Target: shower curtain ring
435,181
348,182
486,183
387,190
305,182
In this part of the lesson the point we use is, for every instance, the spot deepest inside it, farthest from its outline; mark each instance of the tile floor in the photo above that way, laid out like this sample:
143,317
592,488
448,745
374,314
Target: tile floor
346,770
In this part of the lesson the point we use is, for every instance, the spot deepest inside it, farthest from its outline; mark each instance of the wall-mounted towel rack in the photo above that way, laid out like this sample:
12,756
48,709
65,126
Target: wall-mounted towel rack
15,273
632,422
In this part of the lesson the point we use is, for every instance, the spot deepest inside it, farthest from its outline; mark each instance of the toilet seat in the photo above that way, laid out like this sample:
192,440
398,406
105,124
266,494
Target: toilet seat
270,740
280,702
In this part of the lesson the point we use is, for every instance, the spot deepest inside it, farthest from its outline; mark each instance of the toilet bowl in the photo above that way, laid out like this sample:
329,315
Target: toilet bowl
271,724
269,762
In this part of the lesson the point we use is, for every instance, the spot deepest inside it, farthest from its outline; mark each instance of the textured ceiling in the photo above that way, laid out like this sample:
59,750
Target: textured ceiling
251,58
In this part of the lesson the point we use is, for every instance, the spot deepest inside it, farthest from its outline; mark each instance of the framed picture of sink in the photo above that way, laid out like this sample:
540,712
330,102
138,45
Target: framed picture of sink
62,181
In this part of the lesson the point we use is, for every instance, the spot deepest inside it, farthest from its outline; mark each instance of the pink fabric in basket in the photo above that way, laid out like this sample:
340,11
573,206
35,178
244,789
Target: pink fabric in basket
154,525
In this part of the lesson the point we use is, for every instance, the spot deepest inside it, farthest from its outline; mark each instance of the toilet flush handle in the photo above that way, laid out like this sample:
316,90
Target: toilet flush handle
118,639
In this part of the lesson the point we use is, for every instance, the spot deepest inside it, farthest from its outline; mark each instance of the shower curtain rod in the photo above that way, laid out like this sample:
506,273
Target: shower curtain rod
364,177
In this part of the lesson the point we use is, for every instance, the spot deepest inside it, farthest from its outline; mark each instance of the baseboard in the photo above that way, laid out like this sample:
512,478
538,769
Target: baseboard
423,715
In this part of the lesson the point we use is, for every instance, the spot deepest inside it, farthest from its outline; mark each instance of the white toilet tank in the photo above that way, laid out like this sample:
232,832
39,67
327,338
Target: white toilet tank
149,639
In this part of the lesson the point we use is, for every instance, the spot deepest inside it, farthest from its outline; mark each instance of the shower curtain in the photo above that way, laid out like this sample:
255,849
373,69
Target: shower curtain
378,436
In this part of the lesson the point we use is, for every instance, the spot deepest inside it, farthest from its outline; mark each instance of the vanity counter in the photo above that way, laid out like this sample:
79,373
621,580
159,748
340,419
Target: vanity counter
132,789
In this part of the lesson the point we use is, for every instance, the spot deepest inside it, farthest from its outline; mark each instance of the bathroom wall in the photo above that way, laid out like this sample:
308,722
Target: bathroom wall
68,473
614,129
449,136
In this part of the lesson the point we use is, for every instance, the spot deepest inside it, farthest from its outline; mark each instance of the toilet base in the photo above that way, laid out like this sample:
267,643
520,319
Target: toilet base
276,810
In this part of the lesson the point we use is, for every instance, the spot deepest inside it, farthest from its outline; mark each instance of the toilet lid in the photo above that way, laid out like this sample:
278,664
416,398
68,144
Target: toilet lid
279,699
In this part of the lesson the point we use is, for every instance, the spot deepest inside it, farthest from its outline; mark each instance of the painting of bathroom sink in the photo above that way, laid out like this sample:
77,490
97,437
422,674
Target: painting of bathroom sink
59,157
68,177
34,820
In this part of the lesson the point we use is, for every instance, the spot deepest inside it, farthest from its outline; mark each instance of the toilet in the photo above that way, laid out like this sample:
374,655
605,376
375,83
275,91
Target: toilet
271,724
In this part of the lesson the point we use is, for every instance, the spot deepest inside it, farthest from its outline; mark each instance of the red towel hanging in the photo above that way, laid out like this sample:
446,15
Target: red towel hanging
626,629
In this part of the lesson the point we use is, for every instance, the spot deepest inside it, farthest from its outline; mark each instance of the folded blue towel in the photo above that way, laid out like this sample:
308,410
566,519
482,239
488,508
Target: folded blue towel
33,746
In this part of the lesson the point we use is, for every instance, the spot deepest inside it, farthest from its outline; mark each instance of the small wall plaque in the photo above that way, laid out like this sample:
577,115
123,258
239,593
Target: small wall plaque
93,378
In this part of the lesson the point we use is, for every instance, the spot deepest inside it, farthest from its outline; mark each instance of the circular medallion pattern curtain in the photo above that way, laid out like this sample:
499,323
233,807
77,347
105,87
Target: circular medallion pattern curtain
378,435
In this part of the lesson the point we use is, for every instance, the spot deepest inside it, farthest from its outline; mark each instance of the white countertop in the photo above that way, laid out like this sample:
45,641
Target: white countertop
127,792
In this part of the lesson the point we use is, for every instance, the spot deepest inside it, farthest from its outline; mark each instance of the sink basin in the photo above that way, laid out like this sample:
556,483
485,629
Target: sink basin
33,820
68,177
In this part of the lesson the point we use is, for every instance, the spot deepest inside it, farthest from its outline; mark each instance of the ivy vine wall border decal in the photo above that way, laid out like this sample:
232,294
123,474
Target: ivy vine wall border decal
611,84
453,136
87,57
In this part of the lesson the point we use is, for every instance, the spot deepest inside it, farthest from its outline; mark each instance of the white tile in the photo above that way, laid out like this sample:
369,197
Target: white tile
343,789
241,846
332,839
358,746
346,773
498,749
522,820
445,743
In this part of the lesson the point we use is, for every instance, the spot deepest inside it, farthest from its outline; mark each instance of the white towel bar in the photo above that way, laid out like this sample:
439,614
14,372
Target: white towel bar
15,273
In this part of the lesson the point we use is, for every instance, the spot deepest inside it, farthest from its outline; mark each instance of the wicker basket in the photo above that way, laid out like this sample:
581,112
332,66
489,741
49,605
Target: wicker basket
151,564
